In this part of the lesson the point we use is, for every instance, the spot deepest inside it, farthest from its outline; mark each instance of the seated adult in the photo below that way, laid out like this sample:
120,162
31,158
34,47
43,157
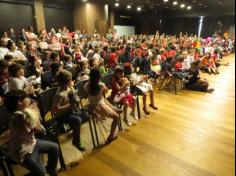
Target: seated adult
195,83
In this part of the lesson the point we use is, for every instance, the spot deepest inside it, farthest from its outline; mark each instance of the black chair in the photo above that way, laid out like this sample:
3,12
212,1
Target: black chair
83,94
74,72
5,160
107,80
46,79
4,119
167,70
45,100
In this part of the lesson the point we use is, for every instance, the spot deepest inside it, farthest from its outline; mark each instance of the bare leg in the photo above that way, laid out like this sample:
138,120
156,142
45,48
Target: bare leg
145,104
152,98
125,110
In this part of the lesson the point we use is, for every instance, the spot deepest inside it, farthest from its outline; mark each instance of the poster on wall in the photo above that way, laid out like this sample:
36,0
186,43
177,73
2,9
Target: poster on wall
124,30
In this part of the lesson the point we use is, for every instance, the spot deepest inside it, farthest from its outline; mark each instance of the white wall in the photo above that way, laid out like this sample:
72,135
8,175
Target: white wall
125,30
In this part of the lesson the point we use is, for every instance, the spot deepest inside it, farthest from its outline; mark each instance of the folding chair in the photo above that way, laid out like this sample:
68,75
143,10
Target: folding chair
45,100
83,94
46,79
5,159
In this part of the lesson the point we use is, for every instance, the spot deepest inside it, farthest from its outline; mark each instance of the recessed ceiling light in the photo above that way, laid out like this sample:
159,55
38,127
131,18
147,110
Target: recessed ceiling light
189,7
200,4
117,4
182,5
84,0
128,6
175,3
165,0
139,8
194,1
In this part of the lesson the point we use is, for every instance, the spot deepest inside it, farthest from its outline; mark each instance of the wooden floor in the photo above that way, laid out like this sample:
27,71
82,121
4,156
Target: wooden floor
192,134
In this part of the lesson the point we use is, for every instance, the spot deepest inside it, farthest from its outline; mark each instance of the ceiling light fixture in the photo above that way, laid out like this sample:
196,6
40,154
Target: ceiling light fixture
175,3
165,0
128,6
139,8
182,5
189,7
117,4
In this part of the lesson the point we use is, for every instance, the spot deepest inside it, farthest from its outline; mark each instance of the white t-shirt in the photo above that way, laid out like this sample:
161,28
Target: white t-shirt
17,54
3,52
187,62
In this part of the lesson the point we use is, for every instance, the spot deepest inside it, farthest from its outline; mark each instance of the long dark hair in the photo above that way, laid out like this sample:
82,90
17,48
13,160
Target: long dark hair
94,80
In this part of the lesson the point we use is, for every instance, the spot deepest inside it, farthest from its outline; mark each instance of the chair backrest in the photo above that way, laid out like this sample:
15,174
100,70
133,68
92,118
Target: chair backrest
107,79
46,79
74,72
80,87
45,100
4,119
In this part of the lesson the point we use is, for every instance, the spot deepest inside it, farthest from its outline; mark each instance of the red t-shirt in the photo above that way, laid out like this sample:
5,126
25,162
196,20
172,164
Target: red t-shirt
113,60
172,53
178,66
163,57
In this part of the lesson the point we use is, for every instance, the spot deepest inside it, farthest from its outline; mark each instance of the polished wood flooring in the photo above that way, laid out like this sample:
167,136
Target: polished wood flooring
192,134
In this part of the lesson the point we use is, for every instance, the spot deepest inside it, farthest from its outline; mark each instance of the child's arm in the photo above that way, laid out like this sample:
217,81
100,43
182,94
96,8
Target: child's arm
123,87
57,107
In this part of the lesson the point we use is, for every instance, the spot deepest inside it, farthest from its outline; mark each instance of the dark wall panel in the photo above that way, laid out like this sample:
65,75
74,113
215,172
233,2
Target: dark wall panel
15,15
59,17
123,18
210,24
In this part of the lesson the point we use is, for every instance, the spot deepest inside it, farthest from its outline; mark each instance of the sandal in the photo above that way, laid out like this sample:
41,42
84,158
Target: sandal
146,112
110,140
134,116
153,107
128,123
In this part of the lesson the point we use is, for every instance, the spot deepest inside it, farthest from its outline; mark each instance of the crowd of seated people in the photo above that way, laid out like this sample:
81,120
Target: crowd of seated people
70,57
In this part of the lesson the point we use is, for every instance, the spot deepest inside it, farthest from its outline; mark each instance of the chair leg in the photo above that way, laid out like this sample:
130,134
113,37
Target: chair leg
10,170
120,124
95,130
3,168
91,131
162,83
138,108
175,86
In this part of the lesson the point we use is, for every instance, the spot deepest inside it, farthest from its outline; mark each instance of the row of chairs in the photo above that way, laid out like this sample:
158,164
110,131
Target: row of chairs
45,100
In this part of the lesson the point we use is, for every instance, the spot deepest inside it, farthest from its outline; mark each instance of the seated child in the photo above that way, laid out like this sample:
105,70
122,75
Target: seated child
23,146
68,62
140,85
18,81
121,94
66,107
